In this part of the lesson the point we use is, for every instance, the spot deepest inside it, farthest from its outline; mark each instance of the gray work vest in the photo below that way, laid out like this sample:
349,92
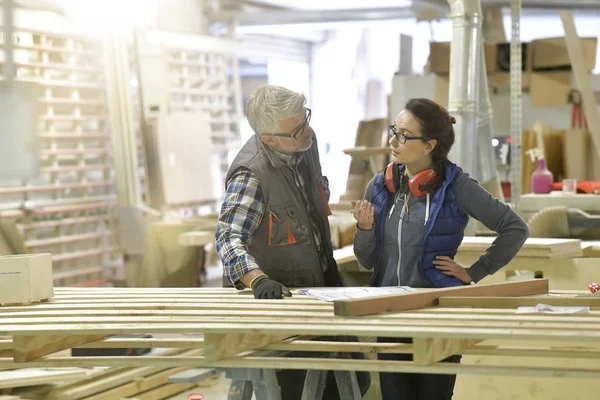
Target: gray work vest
283,244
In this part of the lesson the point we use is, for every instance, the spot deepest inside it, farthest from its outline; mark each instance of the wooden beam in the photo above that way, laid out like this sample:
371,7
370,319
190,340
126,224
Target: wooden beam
582,77
427,351
139,385
218,346
28,347
515,302
429,297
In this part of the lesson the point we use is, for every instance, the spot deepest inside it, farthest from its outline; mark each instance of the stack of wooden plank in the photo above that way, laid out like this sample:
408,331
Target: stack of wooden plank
143,383
242,332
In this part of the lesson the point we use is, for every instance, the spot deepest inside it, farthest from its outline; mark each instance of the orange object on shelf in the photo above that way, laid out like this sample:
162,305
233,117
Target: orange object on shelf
586,187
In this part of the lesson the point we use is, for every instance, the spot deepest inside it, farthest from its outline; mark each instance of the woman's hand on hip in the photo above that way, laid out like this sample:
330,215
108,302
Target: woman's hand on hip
451,268
364,214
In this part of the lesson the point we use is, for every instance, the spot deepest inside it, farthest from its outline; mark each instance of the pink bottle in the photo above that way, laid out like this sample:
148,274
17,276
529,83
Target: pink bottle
541,179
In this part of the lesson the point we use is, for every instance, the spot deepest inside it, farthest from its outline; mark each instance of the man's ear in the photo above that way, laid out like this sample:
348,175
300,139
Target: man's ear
430,145
268,140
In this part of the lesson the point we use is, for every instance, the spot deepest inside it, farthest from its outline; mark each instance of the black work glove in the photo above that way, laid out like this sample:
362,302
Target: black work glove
266,288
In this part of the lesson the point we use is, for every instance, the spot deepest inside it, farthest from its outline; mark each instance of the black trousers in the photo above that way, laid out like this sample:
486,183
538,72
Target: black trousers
409,386
291,382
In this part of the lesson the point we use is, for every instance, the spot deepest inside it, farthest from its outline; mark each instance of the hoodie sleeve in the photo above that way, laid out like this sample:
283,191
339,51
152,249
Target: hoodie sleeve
512,231
365,245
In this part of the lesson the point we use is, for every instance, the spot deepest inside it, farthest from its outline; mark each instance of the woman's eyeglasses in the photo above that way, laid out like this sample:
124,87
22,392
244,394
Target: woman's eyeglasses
400,136
299,130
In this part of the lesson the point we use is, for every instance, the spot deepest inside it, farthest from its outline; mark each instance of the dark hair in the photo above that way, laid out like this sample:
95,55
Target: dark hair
436,123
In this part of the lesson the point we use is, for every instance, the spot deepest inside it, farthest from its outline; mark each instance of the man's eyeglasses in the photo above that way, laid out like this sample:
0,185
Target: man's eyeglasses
299,130
400,136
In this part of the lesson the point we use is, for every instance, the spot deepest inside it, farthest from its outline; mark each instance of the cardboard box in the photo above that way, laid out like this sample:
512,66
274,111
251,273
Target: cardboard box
501,80
25,278
439,57
552,53
441,86
550,88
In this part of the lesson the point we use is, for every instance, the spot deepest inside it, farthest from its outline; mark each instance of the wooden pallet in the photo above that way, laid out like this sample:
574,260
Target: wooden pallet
237,329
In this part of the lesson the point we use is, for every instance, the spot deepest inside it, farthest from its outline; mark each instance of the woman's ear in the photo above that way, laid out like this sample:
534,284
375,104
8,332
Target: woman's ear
429,146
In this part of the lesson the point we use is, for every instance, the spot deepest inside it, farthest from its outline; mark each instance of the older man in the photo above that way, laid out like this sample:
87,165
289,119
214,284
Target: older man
273,232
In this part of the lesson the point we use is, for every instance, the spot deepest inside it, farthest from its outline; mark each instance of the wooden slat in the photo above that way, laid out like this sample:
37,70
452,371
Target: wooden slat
50,188
30,377
552,249
27,348
66,239
503,302
220,346
314,363
144,386
427,351
101,383
429,298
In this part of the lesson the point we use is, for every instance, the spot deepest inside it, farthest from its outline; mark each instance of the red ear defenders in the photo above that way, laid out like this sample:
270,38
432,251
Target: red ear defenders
419,185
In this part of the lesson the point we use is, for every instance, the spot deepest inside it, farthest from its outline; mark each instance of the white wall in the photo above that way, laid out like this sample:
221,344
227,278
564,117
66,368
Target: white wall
336,105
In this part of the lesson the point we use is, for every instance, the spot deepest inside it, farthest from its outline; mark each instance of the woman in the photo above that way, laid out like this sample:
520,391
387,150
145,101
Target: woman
412,221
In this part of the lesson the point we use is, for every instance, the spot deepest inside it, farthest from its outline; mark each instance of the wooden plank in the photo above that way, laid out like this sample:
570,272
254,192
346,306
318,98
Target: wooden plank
553,249
427,351
219,346
503,302
563,371
429,298
164,392
103,381
138,385
28,347
35,376
193,375
582,77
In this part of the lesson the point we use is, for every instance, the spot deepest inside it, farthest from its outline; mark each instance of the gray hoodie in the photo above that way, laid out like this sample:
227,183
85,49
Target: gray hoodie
404,233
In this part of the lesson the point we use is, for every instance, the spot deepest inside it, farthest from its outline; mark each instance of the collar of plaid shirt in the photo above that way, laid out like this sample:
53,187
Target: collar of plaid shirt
289,159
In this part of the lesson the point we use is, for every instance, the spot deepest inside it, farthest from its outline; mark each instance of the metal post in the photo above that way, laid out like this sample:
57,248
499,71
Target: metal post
516,118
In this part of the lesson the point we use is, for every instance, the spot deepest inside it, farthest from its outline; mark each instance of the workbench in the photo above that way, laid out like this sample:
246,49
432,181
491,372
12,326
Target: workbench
567,263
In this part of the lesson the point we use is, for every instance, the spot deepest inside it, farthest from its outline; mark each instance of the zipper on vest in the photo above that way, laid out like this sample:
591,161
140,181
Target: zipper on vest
311,232
400,240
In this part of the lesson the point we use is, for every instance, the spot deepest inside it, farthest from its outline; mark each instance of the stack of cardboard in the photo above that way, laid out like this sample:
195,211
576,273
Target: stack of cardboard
439,64
546,68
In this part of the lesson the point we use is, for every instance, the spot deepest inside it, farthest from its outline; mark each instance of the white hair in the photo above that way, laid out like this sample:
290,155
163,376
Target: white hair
269,105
